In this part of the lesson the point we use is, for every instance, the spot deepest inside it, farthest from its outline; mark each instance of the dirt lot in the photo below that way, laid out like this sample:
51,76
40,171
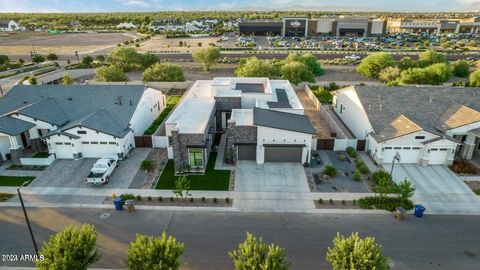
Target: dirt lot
342,73
171,44
194,71
44,43
474,185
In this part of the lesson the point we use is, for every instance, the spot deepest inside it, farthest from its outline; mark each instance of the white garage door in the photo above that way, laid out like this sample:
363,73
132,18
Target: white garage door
438,156
63,150
98,149
407,154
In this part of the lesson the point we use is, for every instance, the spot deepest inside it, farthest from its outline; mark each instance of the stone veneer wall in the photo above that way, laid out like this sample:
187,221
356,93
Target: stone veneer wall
240,135
223,104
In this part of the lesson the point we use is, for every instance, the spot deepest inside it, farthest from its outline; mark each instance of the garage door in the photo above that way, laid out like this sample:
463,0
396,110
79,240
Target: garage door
407,154
98,149
63,150
283,154
438,156
247,152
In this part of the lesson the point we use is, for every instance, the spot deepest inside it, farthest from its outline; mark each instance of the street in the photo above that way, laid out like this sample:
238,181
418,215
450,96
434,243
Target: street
432,242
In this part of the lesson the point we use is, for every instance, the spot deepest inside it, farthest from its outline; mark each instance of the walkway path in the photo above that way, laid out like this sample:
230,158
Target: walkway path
318,122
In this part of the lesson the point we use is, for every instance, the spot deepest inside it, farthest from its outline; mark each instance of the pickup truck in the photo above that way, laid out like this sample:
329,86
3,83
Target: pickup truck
101,171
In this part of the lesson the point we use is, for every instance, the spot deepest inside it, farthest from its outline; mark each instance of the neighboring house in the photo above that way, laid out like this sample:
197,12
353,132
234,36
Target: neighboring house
161,26
263,121
126,25
9,26
75,121
74,23
425,125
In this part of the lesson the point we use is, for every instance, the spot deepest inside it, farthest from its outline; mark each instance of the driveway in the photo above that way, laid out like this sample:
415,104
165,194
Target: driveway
72,173
273,186
438,189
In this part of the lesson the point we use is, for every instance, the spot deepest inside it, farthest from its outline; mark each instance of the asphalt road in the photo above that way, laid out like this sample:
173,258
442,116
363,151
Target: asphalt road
433,242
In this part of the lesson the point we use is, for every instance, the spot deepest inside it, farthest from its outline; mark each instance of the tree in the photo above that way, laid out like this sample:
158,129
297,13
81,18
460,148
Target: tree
406,63
38,59
253,254
372,65
475,78
72,248
4,60
52,57
32,80
296,72
207,56
472,43
155,253
435,74
182,188
149,59
146,165
110,74
100,58
125,58
426,43
405,189
461,68
389,74
355,253
163,73
87,61
312,63
67,79
430,57
254,67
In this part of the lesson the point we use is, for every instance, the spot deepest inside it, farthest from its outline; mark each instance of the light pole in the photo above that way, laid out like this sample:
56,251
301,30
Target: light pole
397,158
26,218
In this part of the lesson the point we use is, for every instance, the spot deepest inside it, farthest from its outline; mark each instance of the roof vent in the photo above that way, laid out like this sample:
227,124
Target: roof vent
119,100
380,106
430,99
25,102
131,103
70,98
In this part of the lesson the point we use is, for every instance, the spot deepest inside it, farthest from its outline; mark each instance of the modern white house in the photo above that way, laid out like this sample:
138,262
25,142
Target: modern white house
263,121
75,121
126,25
9,26
424,125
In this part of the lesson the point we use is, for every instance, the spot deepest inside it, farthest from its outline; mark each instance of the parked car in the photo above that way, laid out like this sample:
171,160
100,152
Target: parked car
353,57
101,171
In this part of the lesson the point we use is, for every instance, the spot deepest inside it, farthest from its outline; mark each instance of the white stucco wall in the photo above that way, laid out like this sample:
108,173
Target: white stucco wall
377,27
353,114
148,109
4,145
39,124
324,26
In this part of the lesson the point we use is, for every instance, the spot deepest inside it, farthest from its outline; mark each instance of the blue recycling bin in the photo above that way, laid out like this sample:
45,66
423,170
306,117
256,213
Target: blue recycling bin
419,209
118,202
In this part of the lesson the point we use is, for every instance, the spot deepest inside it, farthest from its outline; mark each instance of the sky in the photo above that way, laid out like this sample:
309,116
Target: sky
234,5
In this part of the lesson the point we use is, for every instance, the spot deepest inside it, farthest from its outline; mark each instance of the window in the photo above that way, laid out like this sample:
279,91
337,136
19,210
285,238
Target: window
85,142
407,148
112,143
93,142
397,148
416,148
103,142
387,148
67,143
170,140
58,143
81,132
195,157
434,149
443,149
419,137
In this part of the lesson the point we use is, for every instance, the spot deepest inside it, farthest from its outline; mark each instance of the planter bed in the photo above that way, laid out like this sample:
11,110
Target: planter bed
15,181
26,167
5,196
336,205
197,202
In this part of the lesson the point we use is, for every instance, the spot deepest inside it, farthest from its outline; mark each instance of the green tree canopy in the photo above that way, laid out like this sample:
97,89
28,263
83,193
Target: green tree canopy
154,253
72,248
461,68
163,73
125,58
355,253
296,72
4,59
430,57
149,59
208,56
254,67
406,63
312,63
435,74
100,58
253,254
389,74
110,74
38,59
372,65
87,61
67,79
52,57
475,78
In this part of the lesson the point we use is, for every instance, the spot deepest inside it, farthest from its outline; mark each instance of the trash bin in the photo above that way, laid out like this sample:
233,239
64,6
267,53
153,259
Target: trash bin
118,202
130,204
400,213
419,209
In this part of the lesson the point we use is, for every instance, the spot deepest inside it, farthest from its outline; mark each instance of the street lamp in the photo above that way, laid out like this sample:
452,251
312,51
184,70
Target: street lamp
26,217
397,158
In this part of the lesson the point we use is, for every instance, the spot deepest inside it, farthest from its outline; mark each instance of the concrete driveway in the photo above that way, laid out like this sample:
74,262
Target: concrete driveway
72,173
438,189
271,187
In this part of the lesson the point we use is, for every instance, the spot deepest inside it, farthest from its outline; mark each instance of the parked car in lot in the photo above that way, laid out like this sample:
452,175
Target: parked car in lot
101,171
353,57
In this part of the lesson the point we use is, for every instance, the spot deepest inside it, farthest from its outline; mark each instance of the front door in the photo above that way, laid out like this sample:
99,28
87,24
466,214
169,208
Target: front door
24,140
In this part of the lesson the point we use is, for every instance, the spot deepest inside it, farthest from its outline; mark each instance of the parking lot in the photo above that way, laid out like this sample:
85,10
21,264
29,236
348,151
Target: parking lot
72,173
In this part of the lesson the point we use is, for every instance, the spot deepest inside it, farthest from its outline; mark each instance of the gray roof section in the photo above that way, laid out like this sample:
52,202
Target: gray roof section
78,103
282,100
13,126
282,120
422,105
250,87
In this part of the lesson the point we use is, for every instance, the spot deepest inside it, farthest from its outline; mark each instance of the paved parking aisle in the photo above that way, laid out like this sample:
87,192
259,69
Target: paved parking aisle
438,189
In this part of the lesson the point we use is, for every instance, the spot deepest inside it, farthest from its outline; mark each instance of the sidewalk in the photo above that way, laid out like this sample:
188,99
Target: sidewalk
219,164
368,161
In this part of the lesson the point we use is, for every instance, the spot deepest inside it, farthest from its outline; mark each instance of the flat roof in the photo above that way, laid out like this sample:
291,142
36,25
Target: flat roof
242,117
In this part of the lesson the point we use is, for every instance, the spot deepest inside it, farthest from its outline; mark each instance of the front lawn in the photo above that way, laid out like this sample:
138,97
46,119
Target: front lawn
211,180
171,102
15,181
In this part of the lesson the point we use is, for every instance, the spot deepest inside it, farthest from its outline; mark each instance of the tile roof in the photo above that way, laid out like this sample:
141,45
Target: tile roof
13,126
282,120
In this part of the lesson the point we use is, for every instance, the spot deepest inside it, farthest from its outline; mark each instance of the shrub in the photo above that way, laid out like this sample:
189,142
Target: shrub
320,201
330,170
110,74
227,200
352,152
191,200
163,73
475,78
160,199
461,68
32,80
149,198
354,202
462,167
215,200
344,202
146,165
203,199
381,176
341,157
138,198
385,203
389,74
331,201
127,197
372,65
357,176
171,199
363,168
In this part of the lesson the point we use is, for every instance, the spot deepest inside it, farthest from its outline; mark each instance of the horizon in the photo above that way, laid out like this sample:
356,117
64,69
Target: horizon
122,6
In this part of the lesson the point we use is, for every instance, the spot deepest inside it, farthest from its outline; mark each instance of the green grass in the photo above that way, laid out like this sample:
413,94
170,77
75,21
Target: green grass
171,102
41,155
5,196
211,180
15,181
477,191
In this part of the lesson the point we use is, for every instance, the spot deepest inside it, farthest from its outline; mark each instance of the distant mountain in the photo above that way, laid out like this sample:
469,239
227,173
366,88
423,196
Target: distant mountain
306,8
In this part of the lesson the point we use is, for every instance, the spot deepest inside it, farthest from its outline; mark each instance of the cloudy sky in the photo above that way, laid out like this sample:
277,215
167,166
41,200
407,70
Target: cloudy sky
159,5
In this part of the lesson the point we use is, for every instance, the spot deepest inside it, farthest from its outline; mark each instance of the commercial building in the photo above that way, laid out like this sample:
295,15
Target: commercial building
471,25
